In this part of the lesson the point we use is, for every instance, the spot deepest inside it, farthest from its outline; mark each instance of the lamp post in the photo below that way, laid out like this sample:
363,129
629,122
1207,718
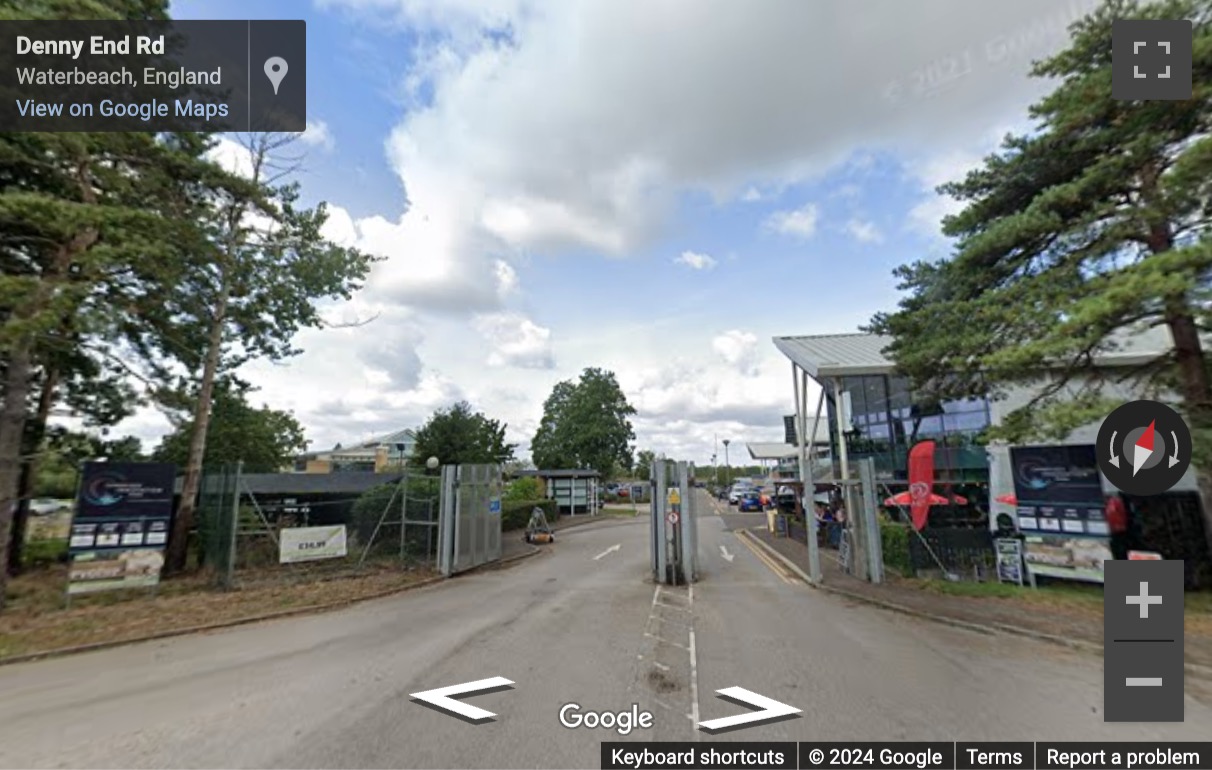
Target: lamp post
727,463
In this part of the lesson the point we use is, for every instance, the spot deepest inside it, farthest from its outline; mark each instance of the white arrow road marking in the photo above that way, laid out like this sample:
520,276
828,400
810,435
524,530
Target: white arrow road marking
1114,457
1174,458
770,709
441,697
725,554
608,551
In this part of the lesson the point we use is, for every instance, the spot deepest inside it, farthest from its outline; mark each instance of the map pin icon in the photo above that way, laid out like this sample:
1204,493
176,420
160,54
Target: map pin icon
275,70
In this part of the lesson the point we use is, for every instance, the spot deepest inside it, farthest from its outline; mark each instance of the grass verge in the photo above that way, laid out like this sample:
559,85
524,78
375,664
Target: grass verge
36,620
1073,599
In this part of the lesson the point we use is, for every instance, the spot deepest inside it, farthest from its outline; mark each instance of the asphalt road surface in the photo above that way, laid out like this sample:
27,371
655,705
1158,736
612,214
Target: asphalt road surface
583,624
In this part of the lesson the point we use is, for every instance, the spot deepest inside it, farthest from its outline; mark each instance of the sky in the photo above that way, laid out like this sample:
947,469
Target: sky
656,187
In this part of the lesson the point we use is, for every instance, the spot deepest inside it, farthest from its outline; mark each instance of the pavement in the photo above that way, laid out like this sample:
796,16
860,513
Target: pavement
1058,622
580,623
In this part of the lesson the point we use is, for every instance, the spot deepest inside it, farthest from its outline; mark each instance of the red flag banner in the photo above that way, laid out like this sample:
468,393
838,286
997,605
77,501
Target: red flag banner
921,482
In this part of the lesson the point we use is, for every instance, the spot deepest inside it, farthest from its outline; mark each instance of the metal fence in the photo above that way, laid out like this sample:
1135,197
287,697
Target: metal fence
964,553
239,536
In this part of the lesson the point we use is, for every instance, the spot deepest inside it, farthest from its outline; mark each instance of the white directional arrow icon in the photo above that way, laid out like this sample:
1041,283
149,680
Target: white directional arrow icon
725,554
608,551
1142,450
443,697
1114,457
1174,457
1140,455
770,709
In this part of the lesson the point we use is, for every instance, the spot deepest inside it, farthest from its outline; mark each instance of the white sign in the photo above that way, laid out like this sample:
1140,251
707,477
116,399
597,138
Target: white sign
672,518
311,543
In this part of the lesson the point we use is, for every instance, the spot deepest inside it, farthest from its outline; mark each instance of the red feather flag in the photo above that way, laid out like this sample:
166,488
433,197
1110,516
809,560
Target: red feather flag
921,482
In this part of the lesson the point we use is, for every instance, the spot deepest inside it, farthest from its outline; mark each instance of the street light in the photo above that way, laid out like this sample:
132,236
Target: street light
727,464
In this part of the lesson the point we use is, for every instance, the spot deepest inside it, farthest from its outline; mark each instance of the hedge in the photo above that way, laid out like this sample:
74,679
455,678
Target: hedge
894,539
515,514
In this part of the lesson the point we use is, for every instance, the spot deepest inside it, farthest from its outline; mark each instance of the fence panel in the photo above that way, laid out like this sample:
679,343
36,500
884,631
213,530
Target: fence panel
966,552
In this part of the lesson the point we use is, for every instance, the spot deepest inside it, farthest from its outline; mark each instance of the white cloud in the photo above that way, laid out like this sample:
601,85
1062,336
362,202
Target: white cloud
695,260
864,231
800,223
738,349
516,143
516,341
318,135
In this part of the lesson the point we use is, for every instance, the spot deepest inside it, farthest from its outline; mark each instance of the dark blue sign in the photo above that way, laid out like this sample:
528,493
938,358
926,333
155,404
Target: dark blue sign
123,505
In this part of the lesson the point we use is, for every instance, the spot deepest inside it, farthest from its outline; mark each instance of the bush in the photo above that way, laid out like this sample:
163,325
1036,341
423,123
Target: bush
515,514
43,553
523,489
369,507
894,539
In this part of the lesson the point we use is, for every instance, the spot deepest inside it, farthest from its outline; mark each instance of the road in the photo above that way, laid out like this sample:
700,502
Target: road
332,690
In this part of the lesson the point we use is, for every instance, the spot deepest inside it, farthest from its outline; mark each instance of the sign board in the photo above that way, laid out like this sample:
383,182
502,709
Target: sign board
311,543
120,527
675,496
672,518
1010,560
780,525
1144,556
1062,510
494,505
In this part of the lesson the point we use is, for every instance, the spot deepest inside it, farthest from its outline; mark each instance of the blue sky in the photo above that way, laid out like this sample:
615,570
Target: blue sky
600,187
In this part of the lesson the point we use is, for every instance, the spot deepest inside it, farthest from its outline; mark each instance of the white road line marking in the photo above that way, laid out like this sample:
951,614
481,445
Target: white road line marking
694,672
608,551
663,640
661,666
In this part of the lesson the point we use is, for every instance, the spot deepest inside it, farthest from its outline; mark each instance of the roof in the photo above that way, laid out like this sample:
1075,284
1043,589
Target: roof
825,356
398,437
763,450
837,355
560,474
348,483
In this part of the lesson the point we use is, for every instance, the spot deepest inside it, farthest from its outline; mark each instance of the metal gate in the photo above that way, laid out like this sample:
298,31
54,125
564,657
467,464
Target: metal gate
469,526
674,524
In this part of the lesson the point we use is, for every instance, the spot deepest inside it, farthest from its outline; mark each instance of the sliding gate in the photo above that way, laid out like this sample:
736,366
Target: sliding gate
469,525
674,523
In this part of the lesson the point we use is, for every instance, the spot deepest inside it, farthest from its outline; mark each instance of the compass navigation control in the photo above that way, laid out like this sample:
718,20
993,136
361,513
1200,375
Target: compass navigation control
1144,448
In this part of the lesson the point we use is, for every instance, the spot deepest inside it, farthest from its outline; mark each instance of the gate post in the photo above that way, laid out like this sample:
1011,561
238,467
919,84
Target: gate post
871,522
446,520
658,520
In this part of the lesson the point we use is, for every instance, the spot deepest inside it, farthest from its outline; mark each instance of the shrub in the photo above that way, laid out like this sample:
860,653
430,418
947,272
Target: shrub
369,507
43,553
894,539
523,489
515,514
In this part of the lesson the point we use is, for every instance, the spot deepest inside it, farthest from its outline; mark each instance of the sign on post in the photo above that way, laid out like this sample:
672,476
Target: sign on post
1010,560
311,543
674,497
672,518
120,527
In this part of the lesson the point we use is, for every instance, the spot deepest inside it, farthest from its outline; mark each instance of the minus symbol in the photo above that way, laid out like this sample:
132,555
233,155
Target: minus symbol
1143,681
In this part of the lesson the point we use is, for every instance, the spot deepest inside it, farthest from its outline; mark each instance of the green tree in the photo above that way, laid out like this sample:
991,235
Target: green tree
79,216
523,489
585,425
264,439
252,273
459,435
643,464
1093,227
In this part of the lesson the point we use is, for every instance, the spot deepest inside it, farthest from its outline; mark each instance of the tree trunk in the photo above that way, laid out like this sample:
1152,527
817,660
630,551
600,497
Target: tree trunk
12,431
1193,382
178,544
35,433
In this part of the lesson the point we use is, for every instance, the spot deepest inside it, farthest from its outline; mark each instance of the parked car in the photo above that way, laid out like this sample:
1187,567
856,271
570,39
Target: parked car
46,506
737,492
751,501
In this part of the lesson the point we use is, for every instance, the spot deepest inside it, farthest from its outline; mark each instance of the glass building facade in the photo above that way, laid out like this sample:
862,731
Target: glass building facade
886,421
